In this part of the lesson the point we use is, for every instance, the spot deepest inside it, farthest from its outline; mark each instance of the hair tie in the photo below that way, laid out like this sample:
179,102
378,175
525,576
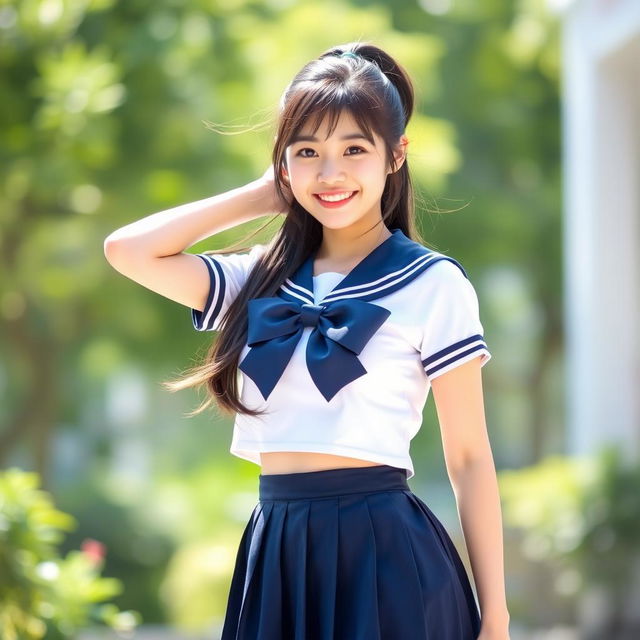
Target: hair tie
349,54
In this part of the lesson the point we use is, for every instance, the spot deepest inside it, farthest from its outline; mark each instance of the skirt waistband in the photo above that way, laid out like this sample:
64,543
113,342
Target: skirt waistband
332,482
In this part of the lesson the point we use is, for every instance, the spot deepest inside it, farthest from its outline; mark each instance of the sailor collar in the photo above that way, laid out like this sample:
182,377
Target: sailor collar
342,322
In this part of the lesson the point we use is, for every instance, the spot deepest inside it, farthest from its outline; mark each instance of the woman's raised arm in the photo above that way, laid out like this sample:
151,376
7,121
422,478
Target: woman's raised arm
150,250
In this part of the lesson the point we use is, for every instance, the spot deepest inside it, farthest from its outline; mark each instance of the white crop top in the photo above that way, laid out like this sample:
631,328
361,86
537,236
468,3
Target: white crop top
408,315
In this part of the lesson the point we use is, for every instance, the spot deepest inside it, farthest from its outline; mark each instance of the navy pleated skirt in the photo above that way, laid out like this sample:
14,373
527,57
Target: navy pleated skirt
347,554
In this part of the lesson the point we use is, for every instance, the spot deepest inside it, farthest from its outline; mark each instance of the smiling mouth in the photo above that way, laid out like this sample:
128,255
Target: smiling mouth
334,198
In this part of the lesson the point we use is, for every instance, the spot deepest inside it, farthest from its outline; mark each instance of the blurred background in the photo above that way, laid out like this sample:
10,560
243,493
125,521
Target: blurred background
119,515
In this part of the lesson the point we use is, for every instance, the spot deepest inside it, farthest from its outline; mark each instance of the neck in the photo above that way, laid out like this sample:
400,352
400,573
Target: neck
341,248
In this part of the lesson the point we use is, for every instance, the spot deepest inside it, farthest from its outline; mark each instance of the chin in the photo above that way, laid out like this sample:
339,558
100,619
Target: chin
338,223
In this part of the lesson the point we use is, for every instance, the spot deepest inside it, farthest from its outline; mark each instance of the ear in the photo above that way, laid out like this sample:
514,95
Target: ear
400,152
284,173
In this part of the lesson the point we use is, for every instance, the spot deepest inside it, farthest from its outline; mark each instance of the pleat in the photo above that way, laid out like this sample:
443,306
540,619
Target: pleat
295,552
356,591
400,585
246,561
322,568
462,619
234,601
265,603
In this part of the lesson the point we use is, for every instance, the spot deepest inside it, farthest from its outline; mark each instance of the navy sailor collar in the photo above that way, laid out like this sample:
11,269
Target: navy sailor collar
388,267
341,323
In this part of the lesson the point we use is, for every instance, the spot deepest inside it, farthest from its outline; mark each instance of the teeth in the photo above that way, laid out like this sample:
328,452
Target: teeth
336,197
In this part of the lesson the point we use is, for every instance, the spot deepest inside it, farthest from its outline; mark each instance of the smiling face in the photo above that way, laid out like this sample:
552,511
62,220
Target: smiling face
345,163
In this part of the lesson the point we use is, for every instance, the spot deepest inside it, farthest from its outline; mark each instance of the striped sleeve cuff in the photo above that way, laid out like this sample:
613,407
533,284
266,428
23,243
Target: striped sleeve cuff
455,354
205,320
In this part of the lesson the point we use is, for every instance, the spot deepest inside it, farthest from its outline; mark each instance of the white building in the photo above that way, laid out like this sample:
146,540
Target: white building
601,143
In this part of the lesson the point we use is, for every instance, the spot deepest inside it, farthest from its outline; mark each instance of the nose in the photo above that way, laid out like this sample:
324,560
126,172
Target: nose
331,172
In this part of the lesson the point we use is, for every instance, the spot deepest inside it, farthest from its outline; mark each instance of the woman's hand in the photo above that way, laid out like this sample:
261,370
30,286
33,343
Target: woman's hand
274,202
494,635
494,632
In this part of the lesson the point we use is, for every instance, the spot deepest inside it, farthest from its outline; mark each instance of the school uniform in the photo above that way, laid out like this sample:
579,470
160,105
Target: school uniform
343,364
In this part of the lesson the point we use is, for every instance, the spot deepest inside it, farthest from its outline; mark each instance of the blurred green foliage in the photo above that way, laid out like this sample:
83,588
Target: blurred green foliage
581,516
581,510
176,539
42,594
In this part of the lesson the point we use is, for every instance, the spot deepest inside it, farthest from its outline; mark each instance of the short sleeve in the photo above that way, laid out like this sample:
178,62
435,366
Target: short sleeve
227,275
451,329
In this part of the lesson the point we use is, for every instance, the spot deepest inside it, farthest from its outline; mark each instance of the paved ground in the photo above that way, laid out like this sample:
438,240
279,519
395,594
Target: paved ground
150,632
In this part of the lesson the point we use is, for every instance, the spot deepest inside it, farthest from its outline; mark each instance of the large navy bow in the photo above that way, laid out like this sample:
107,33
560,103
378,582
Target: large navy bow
341,329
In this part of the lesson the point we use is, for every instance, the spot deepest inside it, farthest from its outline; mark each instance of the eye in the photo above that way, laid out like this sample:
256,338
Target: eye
300,153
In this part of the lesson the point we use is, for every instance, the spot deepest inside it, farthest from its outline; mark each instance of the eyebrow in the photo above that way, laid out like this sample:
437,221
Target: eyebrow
349,136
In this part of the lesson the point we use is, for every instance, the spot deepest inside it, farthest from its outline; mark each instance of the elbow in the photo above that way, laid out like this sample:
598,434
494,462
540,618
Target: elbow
111,248
119,252
456,468
463,465
108,247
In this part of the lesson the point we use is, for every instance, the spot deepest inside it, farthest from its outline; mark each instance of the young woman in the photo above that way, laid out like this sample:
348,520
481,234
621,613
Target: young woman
337,329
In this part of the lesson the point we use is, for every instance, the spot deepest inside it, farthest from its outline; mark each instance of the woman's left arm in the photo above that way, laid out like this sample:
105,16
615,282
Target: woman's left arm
459,402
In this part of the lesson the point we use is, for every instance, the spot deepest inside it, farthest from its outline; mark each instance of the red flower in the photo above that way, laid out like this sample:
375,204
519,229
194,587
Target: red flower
94,549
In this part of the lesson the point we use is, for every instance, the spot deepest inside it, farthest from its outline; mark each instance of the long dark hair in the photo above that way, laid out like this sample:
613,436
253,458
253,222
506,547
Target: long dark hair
379,95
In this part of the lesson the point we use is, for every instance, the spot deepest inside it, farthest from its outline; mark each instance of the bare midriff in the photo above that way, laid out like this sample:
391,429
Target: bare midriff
273,462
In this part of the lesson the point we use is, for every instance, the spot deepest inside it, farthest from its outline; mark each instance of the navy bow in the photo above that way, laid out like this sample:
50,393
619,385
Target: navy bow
341,329
342,322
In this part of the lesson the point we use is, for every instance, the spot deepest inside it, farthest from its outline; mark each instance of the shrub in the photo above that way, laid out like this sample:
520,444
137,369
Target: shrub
41,594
